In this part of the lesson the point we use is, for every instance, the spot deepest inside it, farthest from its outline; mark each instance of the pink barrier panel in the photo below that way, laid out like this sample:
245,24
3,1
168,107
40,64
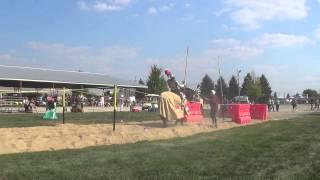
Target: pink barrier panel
194,112
259,111
240,113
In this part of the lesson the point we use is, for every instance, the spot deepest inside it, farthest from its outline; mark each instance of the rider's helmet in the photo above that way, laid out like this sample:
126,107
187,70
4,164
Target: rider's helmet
167,72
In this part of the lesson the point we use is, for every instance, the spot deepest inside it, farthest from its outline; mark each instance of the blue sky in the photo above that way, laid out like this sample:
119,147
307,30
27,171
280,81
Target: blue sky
280,39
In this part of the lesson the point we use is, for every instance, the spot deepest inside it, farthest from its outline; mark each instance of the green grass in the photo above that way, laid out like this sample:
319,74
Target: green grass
288,149
29,120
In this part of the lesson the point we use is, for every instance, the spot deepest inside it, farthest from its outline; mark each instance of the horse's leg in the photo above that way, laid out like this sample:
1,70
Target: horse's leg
181,122
164,121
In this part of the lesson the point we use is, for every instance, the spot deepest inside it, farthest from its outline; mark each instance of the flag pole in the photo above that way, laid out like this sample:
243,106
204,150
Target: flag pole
221,90
185,70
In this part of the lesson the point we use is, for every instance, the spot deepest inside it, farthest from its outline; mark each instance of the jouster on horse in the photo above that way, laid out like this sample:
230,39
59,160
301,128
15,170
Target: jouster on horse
172,102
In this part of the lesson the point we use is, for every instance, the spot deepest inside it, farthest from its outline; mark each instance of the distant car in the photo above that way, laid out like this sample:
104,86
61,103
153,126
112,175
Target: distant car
151,102
40,101
241,100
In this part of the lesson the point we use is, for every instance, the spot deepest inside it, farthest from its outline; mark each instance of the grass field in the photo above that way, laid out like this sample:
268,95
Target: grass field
30,120
280,149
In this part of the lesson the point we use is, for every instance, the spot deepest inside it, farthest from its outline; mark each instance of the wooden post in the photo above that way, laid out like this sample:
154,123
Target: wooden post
63,104
114,107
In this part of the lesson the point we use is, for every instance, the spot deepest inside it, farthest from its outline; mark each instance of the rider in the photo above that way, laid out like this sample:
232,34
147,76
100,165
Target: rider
172,83
176,88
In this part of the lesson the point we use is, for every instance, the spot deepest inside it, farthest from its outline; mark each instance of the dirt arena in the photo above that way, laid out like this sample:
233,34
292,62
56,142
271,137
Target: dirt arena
71,136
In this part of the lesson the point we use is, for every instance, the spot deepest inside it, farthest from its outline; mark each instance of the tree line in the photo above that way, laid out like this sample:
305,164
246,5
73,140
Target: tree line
257,88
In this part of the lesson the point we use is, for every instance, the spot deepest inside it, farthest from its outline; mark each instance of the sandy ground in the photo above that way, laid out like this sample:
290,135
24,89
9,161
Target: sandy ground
71,136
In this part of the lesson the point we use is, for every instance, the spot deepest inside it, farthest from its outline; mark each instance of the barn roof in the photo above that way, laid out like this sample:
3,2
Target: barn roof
15,76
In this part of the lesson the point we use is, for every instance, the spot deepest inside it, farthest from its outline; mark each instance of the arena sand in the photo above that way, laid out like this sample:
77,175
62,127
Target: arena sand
72,136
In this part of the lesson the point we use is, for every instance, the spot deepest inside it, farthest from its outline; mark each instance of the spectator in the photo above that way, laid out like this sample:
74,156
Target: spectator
317,104
311,103
102,101
26,104
269,104
272,103
294,104
277,104
214,103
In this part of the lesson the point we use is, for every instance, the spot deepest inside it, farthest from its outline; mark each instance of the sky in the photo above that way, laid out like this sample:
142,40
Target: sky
124,38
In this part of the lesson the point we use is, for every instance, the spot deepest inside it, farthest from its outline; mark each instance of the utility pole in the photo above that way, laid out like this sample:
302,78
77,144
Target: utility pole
220,78
221,90
238,75
185,70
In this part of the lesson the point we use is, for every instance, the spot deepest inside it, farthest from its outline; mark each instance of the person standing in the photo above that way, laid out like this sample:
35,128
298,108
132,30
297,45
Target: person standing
214,107
277,104
311,103
272,103
294,104
317,104
269,104
101,101
26,104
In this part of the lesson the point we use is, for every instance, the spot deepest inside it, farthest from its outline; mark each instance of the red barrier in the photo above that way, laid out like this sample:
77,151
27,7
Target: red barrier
194,112
259,111
240,113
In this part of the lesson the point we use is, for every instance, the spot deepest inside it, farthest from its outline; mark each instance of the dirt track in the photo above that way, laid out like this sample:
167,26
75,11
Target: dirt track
71,136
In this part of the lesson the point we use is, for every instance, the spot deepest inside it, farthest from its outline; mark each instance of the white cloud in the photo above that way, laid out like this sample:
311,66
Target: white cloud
152,61
104,5
187,5
58,49
82,5
102,60
5,57
252,13
230,47
152,11
162,8
228,28
240,51
166,7
118,52
311,79
280,40
225,42
271,68
317,32
222,11
83,52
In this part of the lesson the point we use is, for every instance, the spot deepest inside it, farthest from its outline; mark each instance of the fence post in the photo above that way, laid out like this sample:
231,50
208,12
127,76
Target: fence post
114,107
63,104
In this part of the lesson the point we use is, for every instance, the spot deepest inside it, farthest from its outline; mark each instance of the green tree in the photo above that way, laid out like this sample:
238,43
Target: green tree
275,95
140,92
247,83
288,96
233,88
206,86
220,82
254,91
266,89
310,93
141,82
156,82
